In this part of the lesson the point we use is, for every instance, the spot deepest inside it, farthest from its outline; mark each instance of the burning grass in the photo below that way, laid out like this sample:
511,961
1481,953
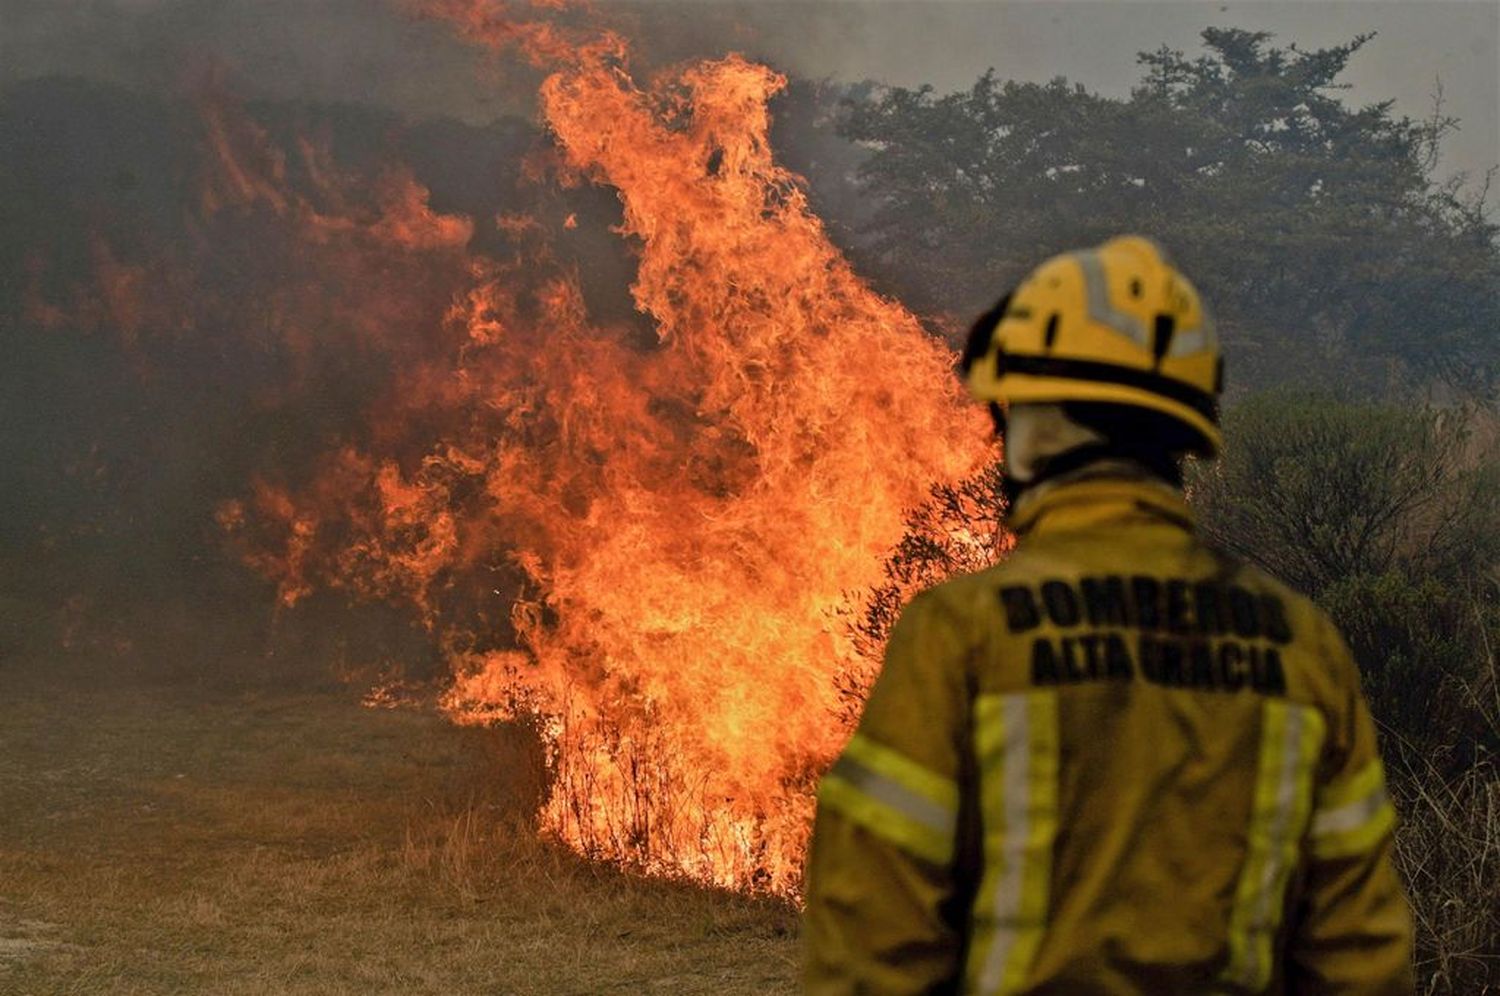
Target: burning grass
160,840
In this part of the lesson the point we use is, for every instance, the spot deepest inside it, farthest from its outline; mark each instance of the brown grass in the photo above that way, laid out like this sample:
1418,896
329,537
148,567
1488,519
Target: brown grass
158,840
1448,850
1448,841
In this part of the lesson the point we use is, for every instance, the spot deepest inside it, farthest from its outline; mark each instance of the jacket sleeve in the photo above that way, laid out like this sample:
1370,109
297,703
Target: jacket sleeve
883,909
1354,928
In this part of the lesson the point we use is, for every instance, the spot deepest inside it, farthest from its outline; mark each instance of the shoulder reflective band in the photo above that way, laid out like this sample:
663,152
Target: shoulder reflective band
1290,742
1015,740
1354,816
1108,373
894,798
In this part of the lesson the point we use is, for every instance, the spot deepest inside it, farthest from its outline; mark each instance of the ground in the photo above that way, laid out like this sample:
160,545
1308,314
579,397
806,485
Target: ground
166,838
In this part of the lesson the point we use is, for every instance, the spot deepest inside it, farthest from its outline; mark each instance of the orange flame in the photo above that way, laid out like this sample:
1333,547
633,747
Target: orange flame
708,506
687,518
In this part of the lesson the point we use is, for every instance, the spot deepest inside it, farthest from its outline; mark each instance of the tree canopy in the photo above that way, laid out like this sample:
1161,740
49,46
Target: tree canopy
1318,232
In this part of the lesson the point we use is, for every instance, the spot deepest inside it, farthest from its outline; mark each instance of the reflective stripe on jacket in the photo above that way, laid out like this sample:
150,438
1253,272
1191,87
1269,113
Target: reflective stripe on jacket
1118,762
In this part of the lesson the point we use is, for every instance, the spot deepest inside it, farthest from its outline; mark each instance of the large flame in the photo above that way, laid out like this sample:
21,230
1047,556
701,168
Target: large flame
676,524
728,489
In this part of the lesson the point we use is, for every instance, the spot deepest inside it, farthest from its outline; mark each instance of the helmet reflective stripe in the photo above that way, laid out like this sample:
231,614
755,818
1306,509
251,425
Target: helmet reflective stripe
1185,341
1100,310
1189,341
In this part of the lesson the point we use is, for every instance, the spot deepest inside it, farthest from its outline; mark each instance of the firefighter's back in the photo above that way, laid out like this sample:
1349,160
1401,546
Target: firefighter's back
1150,721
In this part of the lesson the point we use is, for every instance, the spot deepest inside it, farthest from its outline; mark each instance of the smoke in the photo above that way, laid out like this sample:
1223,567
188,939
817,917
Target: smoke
370,52
324,51
196,295
171,331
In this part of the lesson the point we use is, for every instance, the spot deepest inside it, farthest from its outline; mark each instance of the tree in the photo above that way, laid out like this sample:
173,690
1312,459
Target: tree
1318,232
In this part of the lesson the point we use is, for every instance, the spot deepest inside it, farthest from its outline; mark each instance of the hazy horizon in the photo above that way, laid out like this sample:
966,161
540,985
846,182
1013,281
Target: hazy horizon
369,51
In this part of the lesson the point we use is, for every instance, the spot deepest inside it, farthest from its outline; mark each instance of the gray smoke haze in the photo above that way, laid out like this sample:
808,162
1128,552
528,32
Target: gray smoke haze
369,51
364,51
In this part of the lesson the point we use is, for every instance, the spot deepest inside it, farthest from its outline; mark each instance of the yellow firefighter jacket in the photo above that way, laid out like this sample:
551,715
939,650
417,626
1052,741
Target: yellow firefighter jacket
1119,762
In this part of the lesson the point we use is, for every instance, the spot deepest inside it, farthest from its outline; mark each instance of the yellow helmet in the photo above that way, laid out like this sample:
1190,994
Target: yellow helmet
1114,324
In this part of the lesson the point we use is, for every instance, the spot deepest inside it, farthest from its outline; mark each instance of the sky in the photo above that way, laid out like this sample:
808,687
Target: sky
368,51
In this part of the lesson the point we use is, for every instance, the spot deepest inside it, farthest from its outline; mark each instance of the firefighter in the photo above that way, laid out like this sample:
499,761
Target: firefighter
1120,761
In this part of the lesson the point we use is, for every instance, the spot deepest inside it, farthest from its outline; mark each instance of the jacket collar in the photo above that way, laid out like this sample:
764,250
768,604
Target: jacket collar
1096,495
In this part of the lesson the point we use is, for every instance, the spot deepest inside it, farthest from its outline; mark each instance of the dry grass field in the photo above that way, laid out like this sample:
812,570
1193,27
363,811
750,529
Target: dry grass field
159,839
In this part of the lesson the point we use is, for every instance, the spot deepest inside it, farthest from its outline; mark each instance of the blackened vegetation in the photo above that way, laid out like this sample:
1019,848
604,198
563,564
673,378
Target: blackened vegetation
1168,631
955,532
